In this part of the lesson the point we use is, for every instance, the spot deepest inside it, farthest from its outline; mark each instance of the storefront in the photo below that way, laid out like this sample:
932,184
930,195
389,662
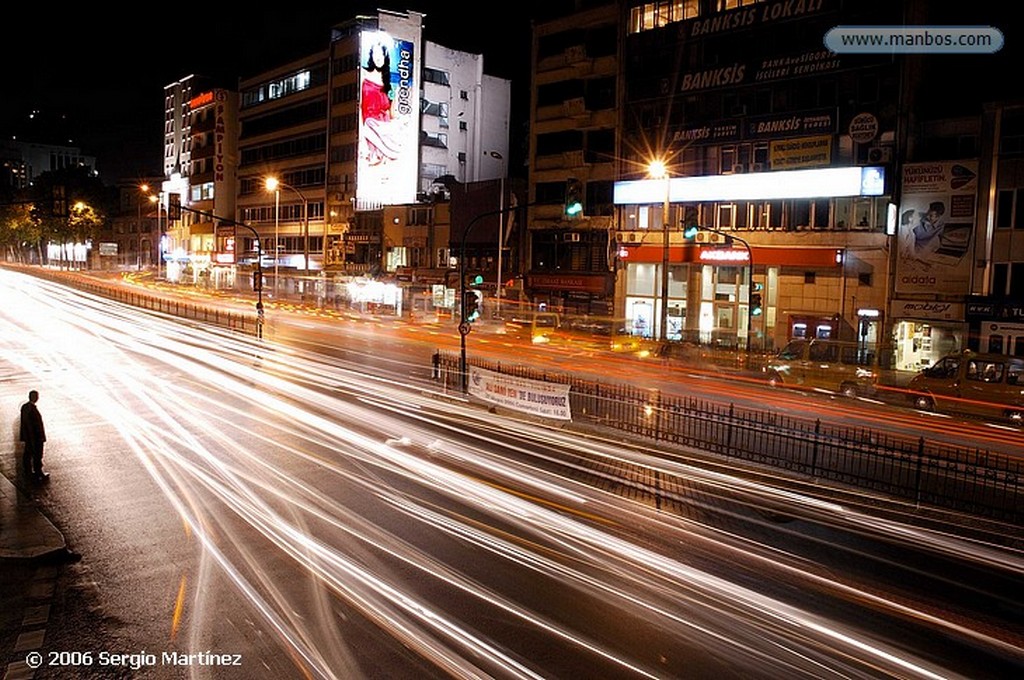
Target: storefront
924,332
723,290
572,293
996,327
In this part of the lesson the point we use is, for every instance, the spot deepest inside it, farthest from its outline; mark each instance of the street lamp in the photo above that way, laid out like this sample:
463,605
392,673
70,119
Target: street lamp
274,184
144,191
658,170
159,235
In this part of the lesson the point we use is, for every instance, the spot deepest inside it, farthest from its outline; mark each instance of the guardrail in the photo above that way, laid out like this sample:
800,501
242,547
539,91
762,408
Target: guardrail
245,323
969,480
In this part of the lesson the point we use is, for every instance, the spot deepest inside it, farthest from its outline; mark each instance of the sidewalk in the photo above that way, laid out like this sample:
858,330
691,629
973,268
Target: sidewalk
24,531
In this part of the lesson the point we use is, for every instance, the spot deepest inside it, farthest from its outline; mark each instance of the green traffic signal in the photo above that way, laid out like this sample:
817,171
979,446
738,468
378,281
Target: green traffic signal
573,197
691,231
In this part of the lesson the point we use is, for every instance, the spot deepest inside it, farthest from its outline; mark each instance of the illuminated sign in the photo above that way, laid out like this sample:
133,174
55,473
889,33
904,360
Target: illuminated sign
757,186
723,255
219,135
388,160
200,100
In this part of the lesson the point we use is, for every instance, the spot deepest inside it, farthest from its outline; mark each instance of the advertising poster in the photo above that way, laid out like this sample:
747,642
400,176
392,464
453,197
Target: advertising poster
936,228
389,113
549,400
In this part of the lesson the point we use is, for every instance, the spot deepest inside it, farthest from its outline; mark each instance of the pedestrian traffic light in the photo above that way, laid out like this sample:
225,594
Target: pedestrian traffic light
471,306
573,197
755,299
474,279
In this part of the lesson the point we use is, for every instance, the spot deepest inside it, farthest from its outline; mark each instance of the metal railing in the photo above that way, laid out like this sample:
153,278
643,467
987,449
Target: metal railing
232,320
964,479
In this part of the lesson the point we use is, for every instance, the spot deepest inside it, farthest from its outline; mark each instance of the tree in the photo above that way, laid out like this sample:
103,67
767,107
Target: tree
69,206
18,231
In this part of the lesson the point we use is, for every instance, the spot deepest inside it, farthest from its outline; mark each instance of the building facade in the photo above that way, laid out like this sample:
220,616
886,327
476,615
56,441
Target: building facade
354,134
744,97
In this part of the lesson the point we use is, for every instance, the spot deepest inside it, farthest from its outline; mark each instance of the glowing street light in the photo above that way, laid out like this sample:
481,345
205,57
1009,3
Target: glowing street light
657,169
274,184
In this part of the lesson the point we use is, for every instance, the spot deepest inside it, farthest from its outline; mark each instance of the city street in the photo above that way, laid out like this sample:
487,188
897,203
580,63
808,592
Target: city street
250,509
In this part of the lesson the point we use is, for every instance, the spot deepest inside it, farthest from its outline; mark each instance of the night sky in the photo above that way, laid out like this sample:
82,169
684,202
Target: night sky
98,76
98,79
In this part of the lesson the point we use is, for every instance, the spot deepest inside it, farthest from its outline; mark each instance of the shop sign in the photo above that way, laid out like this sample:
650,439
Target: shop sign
925,309
863,128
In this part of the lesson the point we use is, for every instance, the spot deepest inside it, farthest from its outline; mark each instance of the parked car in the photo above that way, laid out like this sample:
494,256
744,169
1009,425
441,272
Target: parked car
986,385
836,366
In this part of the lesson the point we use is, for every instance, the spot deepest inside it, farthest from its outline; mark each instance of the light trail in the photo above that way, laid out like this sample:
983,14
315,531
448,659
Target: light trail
251,444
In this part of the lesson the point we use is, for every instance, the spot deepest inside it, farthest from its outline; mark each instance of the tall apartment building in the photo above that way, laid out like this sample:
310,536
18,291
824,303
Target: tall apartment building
746,108
200,154
358,129
346,143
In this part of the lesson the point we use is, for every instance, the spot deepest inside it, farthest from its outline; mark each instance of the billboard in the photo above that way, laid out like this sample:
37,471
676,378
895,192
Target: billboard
389,119
936,227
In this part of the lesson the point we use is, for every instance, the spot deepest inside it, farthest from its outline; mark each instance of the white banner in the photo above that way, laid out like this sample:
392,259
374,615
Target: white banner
550,400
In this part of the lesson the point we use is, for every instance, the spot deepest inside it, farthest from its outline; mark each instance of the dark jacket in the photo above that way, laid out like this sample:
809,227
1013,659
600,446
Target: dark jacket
32,430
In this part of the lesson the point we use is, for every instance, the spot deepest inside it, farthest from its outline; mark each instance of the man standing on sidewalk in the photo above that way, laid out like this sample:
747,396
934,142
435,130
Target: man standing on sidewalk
34,435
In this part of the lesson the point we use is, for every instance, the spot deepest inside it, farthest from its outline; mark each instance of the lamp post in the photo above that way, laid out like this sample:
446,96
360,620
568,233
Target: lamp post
277,236
274,184
144,191
159,235
658,170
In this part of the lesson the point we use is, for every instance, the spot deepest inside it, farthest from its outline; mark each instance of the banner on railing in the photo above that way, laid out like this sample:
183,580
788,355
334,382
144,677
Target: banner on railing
550,400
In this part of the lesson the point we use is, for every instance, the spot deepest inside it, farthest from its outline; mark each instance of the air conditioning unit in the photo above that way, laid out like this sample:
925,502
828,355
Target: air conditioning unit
572,237
738,168
709,237
880,154
758,167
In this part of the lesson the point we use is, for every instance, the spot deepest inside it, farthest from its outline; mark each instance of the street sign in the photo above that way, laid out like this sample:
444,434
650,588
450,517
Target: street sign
464,328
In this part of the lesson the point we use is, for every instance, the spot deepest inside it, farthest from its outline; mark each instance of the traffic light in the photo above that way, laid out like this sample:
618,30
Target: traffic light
474,279
690,232
257,281
573,197
471,306
173,207
755,299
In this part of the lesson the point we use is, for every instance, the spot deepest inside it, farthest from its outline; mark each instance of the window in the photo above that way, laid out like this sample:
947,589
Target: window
463,95
985,371
809,277
433,75
462,126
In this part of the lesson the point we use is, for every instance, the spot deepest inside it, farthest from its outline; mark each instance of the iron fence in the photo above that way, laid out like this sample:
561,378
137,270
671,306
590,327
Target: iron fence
965,479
